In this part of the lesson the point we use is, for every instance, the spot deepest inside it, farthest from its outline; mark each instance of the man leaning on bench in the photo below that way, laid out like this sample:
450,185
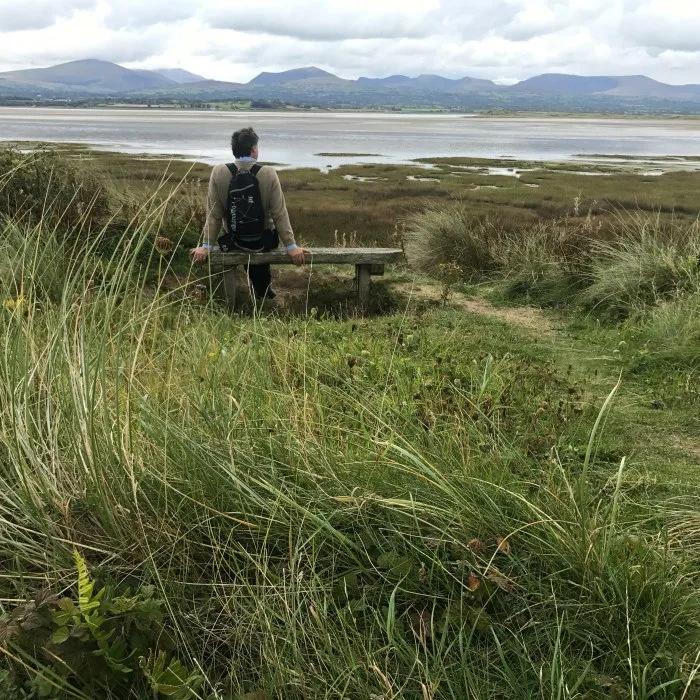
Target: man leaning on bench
247,199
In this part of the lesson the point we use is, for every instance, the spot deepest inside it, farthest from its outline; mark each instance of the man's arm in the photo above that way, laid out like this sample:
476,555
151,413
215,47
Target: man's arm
280,217
212,226
278,210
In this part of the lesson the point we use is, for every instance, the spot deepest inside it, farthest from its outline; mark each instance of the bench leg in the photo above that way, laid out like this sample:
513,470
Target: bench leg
227,288
362,275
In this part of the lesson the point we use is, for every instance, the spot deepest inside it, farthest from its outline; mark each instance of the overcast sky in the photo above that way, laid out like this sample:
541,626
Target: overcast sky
505,40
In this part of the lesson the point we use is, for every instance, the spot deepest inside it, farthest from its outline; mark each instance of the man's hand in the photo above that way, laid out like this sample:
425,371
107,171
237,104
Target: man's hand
297,255
199,255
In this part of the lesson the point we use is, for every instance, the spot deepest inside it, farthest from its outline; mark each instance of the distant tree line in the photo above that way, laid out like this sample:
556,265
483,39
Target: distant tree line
282,97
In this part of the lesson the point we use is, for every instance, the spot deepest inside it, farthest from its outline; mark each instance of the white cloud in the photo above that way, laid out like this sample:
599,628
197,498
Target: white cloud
313,21
140,14
541,18
80,36
671,24
38,14
497,39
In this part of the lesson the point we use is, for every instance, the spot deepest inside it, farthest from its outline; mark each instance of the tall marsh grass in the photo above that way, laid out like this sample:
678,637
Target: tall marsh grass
619,268
322,508
45,189
41,187
643,266
448,233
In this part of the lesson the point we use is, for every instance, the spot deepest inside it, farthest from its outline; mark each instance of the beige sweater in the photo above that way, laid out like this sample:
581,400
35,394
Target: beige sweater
276,215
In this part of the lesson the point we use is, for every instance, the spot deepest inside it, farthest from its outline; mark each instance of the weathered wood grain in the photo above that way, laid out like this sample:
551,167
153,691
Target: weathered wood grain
362,279
229,287
317,256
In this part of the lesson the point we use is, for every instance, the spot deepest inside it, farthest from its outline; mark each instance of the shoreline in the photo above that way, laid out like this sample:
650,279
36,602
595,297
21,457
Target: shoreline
594,163
473,114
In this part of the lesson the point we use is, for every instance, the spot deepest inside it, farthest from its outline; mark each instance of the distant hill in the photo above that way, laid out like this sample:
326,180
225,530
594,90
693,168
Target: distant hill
390,81
215,84
90,75
634,85
180,76
10,88
153,77
435,83
295,76
559,82
622,86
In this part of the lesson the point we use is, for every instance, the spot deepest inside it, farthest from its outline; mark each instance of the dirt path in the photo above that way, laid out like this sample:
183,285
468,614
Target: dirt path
528,318
295,289
686,444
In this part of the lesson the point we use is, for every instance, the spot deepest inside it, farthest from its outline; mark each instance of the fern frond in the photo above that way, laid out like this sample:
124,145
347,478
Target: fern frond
86,601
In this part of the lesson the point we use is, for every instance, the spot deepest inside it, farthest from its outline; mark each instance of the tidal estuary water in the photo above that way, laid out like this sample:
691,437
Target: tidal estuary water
296,139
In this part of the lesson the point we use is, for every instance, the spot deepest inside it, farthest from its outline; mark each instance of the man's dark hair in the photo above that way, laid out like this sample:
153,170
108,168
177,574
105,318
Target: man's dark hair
243,141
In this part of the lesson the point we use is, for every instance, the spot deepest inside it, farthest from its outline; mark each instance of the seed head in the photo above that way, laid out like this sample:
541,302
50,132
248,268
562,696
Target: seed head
164,245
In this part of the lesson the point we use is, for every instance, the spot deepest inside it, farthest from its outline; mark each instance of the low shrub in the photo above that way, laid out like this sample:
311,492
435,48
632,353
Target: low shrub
98,640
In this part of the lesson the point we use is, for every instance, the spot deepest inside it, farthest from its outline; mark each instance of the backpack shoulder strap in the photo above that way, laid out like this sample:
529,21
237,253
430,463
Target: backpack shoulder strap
255,169
232,169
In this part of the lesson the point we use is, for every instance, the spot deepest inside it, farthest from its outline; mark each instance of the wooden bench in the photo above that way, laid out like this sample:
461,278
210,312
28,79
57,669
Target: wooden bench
367,262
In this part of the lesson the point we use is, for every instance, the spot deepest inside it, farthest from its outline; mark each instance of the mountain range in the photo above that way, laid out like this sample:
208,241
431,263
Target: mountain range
93,78
620,86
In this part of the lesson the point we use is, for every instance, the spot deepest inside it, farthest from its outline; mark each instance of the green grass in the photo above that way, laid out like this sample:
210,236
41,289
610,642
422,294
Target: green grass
422,503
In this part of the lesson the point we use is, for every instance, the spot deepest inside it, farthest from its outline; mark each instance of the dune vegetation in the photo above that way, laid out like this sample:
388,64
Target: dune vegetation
434,500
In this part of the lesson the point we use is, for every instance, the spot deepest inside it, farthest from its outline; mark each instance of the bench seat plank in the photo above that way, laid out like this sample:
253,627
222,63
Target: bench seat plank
327,256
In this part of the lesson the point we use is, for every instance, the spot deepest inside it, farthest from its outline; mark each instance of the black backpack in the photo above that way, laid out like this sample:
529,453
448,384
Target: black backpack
245,216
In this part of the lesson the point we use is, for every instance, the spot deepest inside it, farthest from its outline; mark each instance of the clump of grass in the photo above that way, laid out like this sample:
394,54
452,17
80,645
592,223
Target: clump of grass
174,207
643,265
548,263
486,248
670,332
47,190
444,233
